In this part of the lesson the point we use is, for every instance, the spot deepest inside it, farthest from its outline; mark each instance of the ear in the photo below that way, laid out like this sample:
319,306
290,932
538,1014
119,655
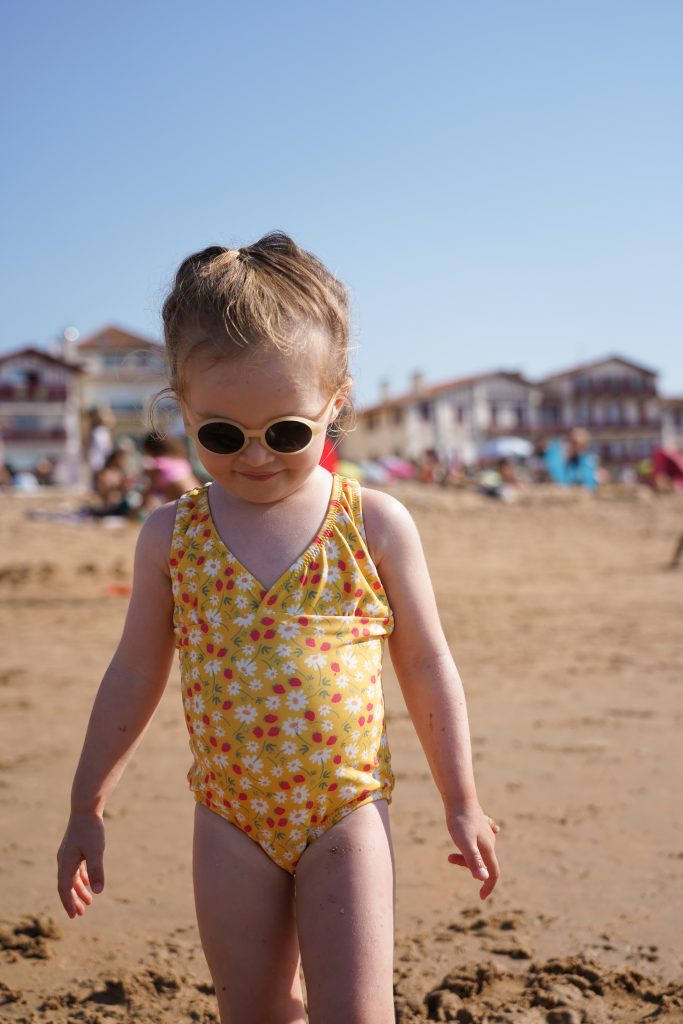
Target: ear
342,397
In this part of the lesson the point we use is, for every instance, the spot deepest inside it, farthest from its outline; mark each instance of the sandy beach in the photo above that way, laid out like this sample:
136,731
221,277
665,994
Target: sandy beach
567,631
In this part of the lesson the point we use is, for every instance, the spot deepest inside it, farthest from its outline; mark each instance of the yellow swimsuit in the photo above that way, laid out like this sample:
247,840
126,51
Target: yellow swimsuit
282,687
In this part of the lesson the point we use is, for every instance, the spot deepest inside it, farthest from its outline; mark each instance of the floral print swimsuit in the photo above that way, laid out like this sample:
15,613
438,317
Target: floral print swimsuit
282,687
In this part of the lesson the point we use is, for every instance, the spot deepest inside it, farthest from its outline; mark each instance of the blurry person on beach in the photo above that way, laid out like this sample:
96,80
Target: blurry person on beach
100,438
279,584
499,481
572,464
167,471
114,485
677,555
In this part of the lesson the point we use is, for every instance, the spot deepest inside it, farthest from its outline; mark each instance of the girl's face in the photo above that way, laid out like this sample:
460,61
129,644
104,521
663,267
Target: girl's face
252,392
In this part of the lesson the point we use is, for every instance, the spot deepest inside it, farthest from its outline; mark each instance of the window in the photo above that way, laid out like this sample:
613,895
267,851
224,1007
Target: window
397,415
425,410
32,422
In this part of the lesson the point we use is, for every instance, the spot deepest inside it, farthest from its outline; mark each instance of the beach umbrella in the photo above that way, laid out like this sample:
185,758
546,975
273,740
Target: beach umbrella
506,448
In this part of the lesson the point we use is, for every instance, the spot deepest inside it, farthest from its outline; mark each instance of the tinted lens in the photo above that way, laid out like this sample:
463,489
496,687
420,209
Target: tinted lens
221,438
288,436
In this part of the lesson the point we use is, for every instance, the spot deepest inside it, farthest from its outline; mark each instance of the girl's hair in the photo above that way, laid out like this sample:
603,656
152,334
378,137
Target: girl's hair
227,301
156,444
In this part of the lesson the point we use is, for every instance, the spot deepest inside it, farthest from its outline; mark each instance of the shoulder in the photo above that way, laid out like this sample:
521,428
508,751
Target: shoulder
388,523
156,534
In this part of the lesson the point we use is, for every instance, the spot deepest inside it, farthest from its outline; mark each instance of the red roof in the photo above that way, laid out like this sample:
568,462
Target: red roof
45,356
113,338
426,393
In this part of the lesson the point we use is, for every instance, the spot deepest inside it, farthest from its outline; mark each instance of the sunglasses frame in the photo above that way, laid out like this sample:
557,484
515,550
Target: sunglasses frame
315,426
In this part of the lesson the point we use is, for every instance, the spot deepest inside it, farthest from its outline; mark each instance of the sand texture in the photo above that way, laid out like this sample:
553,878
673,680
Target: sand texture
568,632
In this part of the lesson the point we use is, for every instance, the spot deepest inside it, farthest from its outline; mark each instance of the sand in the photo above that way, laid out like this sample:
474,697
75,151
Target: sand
567,631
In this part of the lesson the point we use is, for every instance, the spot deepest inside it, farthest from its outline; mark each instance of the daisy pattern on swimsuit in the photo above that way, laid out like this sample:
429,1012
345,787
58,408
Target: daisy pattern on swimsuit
282,688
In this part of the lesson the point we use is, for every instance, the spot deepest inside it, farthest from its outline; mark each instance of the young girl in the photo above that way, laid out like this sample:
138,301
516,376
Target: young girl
279,583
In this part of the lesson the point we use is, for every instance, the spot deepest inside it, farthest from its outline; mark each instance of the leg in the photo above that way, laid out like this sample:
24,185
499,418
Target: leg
345,919
673,564
245,913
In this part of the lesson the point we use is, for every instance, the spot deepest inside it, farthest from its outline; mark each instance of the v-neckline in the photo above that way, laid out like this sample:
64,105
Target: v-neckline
301,560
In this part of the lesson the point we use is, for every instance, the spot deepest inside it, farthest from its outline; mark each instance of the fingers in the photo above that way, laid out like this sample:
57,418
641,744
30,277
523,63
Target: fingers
78,872
493,871
70,885
482,864
95,871
475,862
477,854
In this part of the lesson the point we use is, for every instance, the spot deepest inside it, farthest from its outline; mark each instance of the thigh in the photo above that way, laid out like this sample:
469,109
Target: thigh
246,918
345,919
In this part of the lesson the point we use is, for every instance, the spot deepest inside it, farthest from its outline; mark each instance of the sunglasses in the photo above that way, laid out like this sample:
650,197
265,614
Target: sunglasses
283,436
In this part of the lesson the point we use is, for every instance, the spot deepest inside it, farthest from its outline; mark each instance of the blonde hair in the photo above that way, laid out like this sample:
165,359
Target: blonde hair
224,302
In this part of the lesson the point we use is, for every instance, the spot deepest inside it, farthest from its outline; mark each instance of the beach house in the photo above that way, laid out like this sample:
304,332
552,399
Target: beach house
452,419
123,371
40,412
614,398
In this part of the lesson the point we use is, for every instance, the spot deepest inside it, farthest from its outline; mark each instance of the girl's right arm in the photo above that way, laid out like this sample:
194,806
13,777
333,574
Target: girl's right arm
126,700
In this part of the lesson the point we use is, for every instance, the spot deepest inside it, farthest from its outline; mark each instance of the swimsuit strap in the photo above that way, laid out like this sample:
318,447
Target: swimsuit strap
353,497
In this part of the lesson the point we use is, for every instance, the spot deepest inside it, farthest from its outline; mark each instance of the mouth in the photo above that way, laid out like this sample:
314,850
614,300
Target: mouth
257,476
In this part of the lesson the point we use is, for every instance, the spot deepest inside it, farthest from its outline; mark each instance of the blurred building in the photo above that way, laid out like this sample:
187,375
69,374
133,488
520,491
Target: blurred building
452,419
122,372
613,398
40,412
672,422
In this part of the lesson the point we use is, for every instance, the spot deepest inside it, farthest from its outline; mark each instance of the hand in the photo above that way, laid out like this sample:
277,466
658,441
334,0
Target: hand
80,862
474,833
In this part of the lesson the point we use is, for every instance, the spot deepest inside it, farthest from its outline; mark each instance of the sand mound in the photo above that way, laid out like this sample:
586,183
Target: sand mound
490,983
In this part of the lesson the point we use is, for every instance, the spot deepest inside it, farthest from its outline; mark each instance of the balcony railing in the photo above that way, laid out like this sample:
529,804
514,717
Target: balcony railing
34,435
613,388
21,393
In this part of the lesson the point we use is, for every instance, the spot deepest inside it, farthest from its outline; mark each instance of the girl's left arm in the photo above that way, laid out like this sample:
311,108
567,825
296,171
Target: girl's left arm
430,682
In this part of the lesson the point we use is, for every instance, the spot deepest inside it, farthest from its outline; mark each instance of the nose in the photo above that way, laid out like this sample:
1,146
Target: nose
255,454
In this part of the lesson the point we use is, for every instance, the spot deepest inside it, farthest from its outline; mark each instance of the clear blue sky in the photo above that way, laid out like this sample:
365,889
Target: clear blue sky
498,183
